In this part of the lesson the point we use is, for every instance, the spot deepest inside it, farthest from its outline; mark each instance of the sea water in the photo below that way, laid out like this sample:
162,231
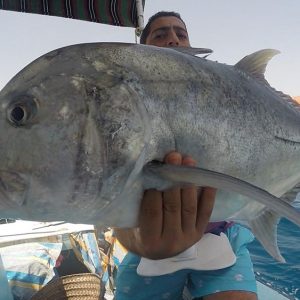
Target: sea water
283,277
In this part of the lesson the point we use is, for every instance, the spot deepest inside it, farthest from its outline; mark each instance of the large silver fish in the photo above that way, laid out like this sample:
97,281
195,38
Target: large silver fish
79,126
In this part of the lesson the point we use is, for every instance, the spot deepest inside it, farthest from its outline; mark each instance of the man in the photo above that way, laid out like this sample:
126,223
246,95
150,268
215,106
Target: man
173,220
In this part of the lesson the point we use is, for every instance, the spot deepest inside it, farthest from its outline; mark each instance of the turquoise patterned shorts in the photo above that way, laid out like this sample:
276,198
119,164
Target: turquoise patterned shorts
198,283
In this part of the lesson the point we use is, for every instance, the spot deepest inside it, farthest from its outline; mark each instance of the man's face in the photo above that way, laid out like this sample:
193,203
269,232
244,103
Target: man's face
168,32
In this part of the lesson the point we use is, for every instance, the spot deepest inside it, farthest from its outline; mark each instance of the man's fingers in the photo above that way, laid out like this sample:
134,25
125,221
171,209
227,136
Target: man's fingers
189,207
205,206
172,211
173,158
151,215
172,202
189,202
171,221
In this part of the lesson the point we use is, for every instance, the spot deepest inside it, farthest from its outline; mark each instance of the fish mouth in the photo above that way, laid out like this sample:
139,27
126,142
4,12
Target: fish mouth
13,189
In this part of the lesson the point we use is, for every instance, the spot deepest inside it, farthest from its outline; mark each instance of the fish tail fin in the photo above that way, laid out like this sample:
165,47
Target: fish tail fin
264,227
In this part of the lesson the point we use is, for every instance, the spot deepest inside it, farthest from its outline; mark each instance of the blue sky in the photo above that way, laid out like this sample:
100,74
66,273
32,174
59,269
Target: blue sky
232,28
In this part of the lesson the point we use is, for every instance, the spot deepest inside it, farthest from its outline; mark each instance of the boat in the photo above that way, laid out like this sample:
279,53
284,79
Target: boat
266,292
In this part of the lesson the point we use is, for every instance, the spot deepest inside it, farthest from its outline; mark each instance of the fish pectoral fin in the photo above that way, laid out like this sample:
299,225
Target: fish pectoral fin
264,227
163,176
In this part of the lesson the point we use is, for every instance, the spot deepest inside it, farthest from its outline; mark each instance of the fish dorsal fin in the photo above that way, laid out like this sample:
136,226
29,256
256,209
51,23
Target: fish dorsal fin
192,51
264,227
289,99
255,64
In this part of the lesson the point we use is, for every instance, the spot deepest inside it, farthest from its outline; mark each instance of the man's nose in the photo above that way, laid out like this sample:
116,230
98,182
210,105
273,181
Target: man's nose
173,39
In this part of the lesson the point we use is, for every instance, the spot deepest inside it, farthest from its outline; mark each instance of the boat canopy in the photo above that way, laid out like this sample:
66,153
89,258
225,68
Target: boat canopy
128,13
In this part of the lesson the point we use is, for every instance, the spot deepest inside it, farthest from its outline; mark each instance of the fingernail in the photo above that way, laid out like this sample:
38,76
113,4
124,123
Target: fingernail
188,161
173,158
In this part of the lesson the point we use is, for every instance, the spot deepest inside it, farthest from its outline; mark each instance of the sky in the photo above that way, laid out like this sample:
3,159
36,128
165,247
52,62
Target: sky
232,28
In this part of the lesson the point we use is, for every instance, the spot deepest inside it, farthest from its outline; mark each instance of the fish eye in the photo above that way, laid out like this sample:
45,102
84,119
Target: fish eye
20,112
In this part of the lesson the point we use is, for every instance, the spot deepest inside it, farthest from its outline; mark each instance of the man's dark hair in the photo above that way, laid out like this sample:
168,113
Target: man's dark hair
160,14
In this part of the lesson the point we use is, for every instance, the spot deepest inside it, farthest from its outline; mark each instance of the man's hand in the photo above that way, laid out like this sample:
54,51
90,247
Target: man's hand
170,221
